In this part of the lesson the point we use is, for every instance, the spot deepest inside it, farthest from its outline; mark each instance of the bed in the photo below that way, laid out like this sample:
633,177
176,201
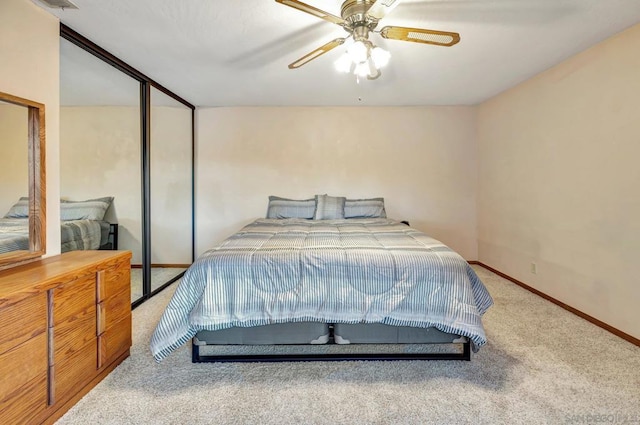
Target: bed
85,234
339,278
82,226
14,234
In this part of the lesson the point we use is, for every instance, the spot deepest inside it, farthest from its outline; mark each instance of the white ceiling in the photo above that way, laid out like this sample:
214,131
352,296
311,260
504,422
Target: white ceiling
236,52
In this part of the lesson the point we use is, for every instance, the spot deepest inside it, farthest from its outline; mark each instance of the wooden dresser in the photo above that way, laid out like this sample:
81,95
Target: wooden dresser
65,323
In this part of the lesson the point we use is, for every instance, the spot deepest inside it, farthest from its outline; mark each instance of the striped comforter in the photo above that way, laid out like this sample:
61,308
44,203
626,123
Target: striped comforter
333,271
80,235
75,234
14,234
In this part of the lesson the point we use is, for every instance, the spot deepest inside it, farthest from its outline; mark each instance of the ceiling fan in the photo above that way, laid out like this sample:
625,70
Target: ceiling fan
359,19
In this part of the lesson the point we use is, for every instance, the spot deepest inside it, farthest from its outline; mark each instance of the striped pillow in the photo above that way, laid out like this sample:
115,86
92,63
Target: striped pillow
329,207
20,209
364,208
91,209
290,208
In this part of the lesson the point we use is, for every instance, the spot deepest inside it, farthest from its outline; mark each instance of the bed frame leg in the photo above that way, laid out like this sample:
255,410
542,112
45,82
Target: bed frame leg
195,352
466,351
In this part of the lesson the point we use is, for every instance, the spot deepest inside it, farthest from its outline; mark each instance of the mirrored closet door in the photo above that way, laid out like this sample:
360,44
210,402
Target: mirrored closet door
126,143
100,154
170,157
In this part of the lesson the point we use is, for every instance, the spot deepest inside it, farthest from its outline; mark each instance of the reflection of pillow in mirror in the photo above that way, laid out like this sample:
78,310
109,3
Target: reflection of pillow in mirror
290,208
91,209
19,209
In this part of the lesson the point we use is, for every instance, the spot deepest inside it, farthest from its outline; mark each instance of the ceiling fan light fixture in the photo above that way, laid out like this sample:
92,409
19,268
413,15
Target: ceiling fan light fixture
362,69
363,59
380,57
373,69
343,64
358,52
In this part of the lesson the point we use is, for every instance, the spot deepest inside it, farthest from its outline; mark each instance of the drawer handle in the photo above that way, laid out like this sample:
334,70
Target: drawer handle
101,318
101,287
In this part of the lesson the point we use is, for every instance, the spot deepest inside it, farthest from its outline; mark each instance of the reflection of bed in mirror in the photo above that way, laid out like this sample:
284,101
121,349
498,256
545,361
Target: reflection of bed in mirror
82,226
14,234
86,234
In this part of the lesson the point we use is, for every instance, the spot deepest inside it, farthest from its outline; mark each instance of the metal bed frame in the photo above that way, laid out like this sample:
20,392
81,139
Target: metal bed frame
196,357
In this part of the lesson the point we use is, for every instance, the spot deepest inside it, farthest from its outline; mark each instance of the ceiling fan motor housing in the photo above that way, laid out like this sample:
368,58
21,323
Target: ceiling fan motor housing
354,12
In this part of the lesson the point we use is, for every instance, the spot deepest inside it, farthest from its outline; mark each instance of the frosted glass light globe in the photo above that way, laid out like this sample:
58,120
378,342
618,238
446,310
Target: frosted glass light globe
362,69
380,57
343,64
358,52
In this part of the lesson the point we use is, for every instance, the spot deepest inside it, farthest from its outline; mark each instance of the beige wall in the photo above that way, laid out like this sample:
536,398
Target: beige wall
422,160
30,69
559,181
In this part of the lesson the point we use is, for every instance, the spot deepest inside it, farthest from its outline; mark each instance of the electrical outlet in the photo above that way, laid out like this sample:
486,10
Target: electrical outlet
534,268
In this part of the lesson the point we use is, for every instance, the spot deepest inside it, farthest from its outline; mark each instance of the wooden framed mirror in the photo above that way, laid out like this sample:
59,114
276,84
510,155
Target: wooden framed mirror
22,172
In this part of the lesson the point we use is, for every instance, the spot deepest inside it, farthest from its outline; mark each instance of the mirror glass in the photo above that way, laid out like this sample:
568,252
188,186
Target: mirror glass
14,161
22,220
170,188
100,150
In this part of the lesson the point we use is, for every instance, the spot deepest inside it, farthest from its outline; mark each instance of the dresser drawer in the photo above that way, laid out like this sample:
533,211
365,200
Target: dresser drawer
72,335
20,369
71,373
74,300
113,310
114,279
26,402
115,341
22,320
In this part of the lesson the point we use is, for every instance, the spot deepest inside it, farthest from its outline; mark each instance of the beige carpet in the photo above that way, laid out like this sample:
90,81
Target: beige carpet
541,365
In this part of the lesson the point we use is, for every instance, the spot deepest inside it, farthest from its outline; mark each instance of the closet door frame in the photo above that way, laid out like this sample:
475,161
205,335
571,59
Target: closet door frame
146,84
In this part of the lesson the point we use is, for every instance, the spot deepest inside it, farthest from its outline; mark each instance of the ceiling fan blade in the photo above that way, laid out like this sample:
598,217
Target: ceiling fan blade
313,11
381,8
317,52
419,35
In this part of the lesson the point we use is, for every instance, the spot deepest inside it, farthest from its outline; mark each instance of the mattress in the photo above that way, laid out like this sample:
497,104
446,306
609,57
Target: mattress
383,334
281,333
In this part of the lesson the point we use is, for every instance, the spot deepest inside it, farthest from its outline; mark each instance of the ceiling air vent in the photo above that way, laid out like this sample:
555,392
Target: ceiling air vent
58,4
